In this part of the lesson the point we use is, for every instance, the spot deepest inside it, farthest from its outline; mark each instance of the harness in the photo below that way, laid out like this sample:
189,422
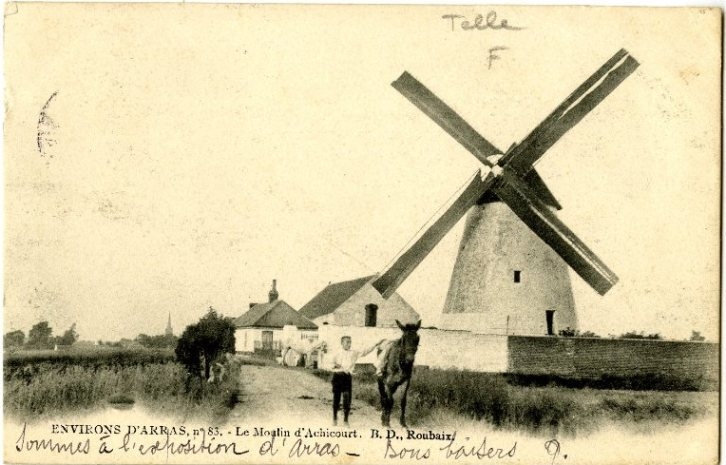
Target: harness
401,364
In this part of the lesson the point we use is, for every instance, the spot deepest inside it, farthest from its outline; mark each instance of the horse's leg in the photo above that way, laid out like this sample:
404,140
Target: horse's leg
389,403
390,391
403,403
384,402
382,393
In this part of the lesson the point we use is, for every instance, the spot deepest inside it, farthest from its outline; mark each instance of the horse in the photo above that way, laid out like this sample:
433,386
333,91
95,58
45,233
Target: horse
396,371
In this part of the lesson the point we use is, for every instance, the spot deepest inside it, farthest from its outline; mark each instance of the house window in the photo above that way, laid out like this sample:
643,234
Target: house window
371,314
517,276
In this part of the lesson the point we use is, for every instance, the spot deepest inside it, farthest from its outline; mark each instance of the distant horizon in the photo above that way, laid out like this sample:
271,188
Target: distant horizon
178,331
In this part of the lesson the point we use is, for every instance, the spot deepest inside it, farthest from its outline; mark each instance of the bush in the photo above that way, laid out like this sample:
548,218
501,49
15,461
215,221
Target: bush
203,343
640,335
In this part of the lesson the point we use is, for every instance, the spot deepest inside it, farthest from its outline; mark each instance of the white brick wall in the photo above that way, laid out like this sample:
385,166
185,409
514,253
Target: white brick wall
437,348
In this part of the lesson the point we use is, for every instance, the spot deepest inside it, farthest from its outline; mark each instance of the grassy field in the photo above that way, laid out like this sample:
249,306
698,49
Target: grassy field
501,402
37,383
87,357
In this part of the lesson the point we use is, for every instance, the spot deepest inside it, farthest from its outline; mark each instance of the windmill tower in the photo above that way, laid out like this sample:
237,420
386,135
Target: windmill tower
506,280
511,274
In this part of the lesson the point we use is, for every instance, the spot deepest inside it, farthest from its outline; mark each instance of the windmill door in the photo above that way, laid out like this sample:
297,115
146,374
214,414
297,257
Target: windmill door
266,340
550,315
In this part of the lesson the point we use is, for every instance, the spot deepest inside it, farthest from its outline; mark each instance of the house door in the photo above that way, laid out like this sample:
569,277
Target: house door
266,340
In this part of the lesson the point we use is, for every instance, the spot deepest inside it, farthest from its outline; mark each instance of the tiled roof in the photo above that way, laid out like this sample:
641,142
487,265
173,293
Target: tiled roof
273,315
332,297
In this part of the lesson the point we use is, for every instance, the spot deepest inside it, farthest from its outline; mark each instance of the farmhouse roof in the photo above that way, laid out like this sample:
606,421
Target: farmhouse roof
273,315
332,297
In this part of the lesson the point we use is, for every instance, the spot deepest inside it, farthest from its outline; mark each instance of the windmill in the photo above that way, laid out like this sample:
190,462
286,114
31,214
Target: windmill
511,201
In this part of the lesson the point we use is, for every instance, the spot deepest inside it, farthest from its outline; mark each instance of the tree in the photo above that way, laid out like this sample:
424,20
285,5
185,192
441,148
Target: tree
695,336
202,343
160,341
69,337
142,339
39,336
14,339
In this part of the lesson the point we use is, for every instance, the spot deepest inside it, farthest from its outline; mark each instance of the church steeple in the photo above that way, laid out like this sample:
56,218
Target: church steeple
169,331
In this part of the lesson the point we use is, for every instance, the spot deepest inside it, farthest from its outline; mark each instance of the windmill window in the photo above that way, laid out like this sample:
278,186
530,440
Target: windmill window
517,276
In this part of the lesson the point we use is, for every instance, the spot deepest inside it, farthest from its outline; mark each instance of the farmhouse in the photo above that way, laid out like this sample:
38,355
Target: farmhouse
266,328
357,303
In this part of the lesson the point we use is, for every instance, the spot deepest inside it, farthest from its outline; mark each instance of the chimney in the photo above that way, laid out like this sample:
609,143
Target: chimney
273,295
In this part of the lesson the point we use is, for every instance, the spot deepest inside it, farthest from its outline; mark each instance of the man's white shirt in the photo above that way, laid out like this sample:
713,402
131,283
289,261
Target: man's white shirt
345,359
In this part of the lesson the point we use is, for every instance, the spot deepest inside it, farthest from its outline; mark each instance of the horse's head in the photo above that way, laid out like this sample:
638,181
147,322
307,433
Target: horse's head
409,342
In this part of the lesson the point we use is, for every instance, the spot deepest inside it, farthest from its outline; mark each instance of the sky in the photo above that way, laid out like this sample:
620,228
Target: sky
200,151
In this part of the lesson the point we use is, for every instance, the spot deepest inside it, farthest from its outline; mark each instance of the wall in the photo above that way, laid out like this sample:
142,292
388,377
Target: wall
463,350
287,336
437,349
302,340
571,357
245,338
592,357
352,311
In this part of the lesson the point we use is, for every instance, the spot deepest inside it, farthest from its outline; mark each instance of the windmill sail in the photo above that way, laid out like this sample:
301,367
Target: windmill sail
519,186
398,271
446,117
540,219
459,129
575,107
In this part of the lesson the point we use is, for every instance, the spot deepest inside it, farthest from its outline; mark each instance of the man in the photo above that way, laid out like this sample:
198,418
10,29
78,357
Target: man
343,368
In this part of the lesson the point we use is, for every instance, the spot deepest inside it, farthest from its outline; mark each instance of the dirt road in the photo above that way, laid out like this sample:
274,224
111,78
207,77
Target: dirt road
272,393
